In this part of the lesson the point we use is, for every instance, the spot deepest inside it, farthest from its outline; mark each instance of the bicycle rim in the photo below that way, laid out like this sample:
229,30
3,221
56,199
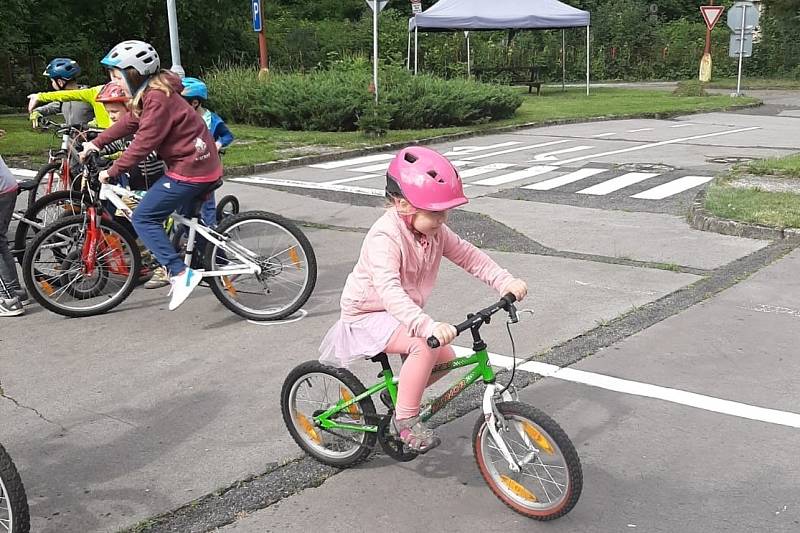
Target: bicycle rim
62,280
7,512
287,262
549,481
315,393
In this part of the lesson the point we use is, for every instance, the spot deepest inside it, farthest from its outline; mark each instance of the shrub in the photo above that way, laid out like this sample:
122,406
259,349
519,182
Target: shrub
690,88
338,99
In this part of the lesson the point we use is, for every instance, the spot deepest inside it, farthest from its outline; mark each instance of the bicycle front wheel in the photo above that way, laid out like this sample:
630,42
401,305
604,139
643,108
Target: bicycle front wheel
550,479
70,274
48,179
311,389
284,255
46,210
14,515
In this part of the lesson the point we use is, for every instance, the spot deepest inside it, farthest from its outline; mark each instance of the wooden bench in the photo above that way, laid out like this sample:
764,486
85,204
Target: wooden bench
530,76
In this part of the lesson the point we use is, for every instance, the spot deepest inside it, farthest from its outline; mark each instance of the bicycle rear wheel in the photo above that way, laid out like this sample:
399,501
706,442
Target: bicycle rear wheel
48,179
286,258
45,211
66,277
311,389
14,514
550,479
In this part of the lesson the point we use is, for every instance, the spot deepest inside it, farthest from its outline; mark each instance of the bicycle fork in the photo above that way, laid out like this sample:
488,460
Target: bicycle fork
492,417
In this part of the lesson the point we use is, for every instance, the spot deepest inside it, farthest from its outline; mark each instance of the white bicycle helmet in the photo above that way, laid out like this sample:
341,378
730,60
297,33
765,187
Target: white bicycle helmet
133,54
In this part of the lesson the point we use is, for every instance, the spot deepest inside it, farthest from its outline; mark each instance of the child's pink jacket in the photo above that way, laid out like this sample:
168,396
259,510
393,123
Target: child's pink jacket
396,272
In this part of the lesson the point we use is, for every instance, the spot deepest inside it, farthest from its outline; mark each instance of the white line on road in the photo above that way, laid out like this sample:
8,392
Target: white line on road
463,150
23,172
353,161
551,156
566,179
618,183
485,169
637,388
517,149
515,176
659,143
673,187
609,134
311,185
683,125
353,178
640,129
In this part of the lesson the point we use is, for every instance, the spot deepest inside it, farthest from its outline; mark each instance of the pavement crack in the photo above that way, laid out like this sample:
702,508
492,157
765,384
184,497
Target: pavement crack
28,408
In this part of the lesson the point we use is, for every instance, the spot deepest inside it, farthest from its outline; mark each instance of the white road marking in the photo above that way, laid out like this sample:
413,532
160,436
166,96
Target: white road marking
646,390
23,172
517,149
311,185
551,156
485,169
618,183
659,143
609,134
766,308
353,161
673,187
566,179
463,150
515,176
683,125
353,178
640,129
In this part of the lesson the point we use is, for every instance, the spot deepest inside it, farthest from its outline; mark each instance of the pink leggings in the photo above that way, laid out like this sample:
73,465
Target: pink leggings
415,374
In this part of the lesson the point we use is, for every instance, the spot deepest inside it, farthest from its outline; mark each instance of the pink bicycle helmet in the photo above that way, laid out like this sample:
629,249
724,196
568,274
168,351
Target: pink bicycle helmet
427,179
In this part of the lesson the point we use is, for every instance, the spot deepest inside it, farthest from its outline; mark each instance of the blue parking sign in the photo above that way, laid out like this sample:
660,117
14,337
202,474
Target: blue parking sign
256,15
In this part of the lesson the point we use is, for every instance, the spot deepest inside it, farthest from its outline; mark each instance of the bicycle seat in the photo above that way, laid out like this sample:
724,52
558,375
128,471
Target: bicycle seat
199,200
27,185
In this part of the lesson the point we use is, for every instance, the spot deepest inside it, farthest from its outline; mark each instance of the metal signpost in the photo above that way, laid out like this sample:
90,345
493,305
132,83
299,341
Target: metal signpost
174,44
742,19
258,27
376,6
711,14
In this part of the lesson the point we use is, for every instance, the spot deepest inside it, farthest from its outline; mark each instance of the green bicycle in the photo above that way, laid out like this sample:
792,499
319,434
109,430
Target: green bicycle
523,455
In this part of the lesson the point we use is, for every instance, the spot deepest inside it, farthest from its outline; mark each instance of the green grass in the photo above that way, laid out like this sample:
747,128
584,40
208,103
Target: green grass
258,145
777,166
755,83
777,209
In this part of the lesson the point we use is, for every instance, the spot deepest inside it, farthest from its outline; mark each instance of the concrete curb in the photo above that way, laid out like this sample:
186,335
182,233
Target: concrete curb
700,218
293,162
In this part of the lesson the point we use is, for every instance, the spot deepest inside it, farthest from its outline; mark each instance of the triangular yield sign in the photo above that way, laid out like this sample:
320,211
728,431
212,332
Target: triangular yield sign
711,14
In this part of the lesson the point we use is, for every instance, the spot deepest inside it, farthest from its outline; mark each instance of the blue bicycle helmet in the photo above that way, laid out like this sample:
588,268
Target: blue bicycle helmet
194,88
62,68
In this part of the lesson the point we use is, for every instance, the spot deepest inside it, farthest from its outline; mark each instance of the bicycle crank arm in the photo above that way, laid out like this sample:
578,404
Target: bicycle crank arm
491,423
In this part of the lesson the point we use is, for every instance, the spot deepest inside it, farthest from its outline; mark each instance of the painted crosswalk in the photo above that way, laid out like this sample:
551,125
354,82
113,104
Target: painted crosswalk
566,179
673,187
615,184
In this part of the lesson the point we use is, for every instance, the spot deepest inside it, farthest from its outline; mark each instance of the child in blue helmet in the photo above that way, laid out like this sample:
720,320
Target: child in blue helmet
75,102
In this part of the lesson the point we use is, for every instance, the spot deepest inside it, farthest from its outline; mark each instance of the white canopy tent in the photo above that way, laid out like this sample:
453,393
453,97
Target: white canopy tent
474,15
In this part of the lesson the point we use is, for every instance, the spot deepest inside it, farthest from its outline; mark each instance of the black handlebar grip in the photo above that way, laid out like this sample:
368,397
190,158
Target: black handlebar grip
433,342
509,298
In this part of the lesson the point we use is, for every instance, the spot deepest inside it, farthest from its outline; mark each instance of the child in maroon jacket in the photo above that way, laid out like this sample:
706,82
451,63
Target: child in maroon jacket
165,123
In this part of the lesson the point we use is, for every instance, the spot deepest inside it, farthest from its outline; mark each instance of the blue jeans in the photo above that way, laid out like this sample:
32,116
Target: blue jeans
162,199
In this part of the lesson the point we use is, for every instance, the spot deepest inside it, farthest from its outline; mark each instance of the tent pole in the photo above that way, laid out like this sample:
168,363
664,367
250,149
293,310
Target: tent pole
563,62
587,60
416,49
408,53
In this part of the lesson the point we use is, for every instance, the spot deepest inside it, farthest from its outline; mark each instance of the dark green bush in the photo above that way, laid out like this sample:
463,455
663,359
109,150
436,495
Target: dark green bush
690,88
338,99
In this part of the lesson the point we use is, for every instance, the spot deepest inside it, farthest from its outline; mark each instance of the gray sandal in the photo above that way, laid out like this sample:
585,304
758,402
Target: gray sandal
414,434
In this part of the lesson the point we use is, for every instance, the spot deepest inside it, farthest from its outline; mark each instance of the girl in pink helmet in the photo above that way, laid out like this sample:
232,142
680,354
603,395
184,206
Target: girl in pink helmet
382,301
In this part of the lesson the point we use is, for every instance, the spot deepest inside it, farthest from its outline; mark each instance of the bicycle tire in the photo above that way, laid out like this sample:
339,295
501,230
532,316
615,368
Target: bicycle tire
224,294
229,205
35,288
25,233
354,386
45,169
13,502
554,435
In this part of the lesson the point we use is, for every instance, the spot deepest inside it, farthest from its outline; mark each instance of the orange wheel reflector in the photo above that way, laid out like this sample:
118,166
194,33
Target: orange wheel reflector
352,408
308,427
517,489
47,288
226,281
540,440
294,256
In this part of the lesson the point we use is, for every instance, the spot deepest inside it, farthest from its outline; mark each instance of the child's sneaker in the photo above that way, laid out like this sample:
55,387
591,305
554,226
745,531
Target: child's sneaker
182,286
414,434
11,307
158,280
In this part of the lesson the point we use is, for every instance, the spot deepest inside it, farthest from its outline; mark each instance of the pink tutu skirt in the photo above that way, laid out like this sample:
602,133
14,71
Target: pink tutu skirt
346,342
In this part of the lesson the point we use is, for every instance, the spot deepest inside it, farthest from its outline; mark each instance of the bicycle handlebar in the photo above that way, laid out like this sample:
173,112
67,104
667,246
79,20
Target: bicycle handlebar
505,303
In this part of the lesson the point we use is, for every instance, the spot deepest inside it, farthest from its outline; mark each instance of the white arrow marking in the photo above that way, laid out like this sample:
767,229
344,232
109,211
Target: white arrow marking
551,156
517,149
463,150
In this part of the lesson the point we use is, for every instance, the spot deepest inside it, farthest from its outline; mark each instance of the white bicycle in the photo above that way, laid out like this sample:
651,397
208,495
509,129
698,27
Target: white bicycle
258,264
